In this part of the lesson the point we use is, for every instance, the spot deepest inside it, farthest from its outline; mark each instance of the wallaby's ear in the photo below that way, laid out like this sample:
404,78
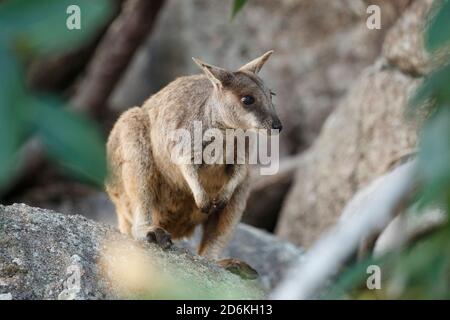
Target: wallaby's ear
256,65
215,74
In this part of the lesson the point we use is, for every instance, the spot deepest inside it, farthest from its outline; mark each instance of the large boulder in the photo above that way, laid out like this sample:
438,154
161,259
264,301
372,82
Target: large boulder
360,141
363,138
404,44
40,250
264,252
270,256
46,255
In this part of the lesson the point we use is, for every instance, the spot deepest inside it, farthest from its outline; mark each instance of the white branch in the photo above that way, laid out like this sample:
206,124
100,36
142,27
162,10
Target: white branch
325,258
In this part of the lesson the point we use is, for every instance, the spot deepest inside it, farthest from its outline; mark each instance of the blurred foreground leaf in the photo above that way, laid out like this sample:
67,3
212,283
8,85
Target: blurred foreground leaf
422,271
40,26
434,158
71,139
349,279
434,91
438,33
418,272
237,6
12,122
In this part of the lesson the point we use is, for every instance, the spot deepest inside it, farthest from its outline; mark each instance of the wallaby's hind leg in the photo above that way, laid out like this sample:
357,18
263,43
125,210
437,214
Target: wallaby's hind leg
123,215
137,171
218,229
116,193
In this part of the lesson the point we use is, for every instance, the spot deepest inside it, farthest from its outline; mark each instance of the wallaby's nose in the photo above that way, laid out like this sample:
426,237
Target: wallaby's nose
276,125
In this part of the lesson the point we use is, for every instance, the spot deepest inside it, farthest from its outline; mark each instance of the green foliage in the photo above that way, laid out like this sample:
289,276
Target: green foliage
434,93
12,120
40,26
434,158
71,139
351,280
420,271
30,28
237,6
438,30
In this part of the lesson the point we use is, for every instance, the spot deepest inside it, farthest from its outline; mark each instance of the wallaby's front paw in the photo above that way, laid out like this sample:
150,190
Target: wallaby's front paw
159,236
205,208
238,267
203,203
218,205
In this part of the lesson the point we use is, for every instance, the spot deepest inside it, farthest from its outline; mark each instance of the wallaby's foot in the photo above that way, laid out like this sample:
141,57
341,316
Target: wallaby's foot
159,236
238,267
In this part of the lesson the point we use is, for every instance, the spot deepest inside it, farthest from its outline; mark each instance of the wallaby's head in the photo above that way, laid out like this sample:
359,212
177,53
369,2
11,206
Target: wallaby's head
241,99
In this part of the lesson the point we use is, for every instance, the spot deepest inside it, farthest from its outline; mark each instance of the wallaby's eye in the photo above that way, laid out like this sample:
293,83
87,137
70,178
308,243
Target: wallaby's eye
248,100
272,93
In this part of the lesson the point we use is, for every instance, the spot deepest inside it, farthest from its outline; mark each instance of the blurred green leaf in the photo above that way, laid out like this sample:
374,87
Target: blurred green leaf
71,139
237,6
12,122
349,279
40,26
434,158
424,268
434,89
438,32
351,282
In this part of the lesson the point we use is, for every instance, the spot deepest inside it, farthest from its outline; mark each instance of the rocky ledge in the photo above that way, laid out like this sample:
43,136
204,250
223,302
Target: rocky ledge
48,255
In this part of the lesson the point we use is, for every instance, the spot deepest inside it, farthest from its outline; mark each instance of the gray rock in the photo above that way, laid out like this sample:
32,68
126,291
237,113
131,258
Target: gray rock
5,296
47,255
404,45
270,256
365,136
266,253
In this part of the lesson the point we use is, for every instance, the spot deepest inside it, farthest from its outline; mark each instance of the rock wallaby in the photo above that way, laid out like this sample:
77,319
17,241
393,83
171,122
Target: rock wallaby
157,199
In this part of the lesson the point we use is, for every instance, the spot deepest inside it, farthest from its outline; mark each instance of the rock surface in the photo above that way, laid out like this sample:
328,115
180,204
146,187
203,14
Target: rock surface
40,249
404,45
362,139
46,255
264,252
270,256
359,142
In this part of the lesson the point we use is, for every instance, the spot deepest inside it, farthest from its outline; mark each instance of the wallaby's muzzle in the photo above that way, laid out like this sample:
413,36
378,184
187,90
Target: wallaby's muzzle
277,125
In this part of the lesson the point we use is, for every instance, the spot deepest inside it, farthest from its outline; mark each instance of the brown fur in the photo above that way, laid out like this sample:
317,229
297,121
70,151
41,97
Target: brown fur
149,190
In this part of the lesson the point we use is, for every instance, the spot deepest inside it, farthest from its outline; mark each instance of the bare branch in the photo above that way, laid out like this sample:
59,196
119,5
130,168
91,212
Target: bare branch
115,52
388,193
